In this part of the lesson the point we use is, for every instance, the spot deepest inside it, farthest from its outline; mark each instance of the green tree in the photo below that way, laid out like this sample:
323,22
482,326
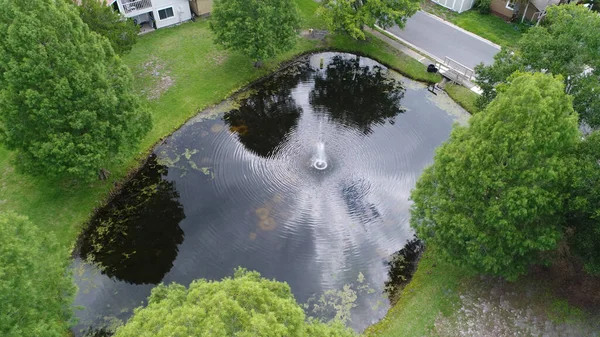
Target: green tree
352,16
584,217
36,290
66,99
567,44
494,198
104,20
260,29
243,306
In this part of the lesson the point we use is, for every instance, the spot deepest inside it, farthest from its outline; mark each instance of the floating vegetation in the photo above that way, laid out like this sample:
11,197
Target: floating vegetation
216,128
176,161
262,213
107,328
135,237
267,224
337,304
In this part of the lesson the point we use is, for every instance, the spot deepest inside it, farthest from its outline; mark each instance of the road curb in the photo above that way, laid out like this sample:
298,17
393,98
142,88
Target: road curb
411,46
435,17
428,55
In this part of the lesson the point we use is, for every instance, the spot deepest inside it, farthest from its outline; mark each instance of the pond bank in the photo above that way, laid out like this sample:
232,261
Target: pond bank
179,71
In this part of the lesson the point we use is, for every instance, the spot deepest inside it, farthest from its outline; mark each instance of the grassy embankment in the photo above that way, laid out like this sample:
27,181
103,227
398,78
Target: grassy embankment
188,72
488,26
463,96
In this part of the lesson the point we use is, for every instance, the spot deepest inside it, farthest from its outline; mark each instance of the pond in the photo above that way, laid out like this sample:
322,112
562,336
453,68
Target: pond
304,177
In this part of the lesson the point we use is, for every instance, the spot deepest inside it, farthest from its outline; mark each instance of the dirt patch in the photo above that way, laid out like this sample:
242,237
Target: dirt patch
159,78
567,280
219,57
314,34
493,307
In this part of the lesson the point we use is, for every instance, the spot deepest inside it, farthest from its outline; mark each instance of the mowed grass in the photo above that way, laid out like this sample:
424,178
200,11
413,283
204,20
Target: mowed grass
308,11
488,26
202,75
463,96
385,54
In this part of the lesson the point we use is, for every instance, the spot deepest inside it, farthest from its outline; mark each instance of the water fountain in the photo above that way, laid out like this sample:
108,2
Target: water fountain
306,180
320,160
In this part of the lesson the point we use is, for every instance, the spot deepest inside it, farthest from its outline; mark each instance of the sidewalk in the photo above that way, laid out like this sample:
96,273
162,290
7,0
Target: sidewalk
416,53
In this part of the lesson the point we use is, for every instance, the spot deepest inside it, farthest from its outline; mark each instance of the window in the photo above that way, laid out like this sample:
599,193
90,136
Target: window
165,13
510,4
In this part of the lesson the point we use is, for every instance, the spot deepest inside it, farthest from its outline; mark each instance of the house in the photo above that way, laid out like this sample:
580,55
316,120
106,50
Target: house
456,5
154,14
201,7
532,10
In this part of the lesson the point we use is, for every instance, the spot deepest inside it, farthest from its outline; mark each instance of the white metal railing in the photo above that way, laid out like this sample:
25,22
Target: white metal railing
135,5
455,70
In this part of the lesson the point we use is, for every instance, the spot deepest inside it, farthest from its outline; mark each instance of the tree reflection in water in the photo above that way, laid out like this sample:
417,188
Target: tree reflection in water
135,237
263,120
356,96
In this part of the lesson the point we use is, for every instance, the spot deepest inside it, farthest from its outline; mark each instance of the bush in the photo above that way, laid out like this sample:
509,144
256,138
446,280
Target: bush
483,6
245,305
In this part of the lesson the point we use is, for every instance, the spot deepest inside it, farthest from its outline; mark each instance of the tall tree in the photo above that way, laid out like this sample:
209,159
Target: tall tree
494,198
35,288
104,20
584,218
245,306
352,16
567,44
66,99
260,29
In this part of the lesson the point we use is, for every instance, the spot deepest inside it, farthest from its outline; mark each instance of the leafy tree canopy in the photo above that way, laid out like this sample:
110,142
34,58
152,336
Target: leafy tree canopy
493,199
260,29
567,44
102,19
35,289
585,204
66,100
243,306
352,16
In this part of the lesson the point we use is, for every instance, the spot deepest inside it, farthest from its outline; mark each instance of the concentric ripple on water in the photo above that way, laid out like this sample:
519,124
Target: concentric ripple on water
306,180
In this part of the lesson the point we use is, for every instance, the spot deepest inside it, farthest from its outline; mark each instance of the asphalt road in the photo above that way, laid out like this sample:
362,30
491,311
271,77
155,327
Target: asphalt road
441,39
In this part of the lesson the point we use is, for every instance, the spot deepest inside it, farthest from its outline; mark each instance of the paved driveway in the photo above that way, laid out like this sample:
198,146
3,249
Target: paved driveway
442,39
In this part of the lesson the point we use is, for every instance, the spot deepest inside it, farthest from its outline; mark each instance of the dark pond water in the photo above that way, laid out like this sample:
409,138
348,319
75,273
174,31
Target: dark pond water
238,186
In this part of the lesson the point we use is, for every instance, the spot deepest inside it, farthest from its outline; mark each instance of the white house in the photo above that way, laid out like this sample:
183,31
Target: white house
154,13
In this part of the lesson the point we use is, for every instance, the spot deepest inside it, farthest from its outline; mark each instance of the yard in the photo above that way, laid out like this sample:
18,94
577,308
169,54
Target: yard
488,26
178,72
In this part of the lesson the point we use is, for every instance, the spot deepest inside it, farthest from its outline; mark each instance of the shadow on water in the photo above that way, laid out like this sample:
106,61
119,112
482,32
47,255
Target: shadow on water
357,95
253,198
403,265
135,237
263,120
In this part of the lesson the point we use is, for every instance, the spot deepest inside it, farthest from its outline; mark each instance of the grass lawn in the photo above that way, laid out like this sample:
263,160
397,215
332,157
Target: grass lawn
193,74
178,72
432,290
487,26
463,96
